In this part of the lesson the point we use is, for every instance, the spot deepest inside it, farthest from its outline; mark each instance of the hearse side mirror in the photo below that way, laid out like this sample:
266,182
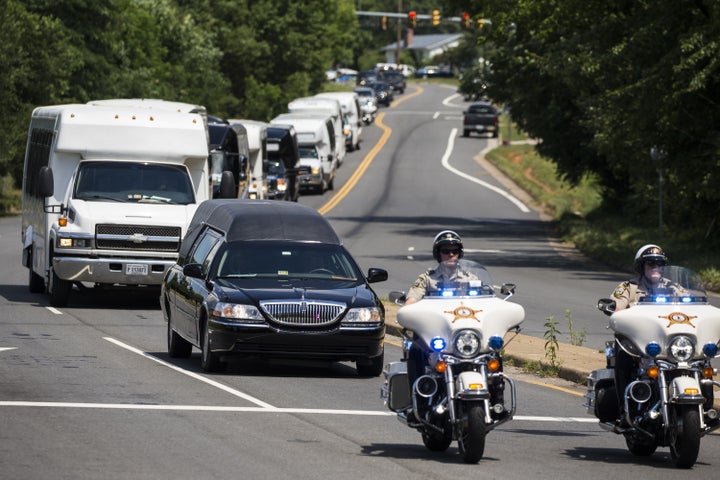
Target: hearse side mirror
377,275
193,270
606,305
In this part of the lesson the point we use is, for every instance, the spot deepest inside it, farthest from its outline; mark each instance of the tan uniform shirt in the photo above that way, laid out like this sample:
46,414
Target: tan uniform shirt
629,293
429,281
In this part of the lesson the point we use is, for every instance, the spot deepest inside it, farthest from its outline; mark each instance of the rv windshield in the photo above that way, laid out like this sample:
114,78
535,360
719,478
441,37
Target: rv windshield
134,182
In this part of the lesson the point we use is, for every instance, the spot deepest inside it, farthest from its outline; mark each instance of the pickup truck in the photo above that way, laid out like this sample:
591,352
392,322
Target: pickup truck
481,117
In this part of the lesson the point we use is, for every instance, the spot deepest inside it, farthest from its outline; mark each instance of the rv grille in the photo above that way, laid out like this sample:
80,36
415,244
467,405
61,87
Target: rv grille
303,313
138,237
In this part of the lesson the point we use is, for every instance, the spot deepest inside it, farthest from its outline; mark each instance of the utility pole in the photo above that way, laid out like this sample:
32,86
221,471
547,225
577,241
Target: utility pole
399,33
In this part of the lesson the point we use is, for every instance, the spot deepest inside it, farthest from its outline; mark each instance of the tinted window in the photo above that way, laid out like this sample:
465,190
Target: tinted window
205,249
302,264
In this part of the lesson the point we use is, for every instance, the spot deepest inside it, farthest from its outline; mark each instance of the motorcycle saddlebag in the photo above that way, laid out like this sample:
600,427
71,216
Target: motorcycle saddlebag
601,398
396,390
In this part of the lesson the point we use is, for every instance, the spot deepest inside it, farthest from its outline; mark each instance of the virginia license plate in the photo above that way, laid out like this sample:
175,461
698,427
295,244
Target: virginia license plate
136,269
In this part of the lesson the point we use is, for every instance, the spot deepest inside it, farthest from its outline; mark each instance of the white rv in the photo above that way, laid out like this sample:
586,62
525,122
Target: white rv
108,193
317,165
324,106
257,142
352,116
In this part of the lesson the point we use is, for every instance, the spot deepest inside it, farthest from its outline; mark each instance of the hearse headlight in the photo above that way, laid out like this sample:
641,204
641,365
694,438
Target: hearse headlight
238,312
362,315
467,343
682,348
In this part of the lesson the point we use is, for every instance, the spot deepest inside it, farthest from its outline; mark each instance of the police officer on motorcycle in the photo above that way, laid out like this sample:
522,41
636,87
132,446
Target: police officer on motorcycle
650,261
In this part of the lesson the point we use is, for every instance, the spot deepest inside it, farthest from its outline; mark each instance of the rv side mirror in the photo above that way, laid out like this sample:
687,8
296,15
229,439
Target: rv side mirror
228,189
47,182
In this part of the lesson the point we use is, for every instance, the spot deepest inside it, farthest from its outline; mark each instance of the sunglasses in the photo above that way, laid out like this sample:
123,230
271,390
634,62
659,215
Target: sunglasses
655,263
447,251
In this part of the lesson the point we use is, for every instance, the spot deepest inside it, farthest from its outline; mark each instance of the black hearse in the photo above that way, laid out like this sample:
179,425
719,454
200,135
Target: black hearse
270,279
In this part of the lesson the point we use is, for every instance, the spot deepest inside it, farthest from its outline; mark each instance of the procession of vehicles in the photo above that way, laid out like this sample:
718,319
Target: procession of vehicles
122,195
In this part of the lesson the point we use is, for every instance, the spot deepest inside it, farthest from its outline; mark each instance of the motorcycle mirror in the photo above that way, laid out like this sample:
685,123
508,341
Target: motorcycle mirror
606,305
507,288
397,297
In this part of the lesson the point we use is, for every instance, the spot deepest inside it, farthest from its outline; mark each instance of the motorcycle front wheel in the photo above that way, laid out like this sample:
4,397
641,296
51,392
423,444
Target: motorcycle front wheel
472,437
685,448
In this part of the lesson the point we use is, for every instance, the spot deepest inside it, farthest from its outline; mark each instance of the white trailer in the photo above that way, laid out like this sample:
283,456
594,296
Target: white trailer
317,165
108,193
257,143
352,116
324,106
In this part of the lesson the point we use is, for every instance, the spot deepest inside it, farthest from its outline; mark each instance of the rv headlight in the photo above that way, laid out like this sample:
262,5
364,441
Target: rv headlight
467,343
682,348
362,315
238,312
73,242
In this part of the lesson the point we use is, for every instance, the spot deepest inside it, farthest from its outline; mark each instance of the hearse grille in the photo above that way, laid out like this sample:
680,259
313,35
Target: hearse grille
138,237
303,313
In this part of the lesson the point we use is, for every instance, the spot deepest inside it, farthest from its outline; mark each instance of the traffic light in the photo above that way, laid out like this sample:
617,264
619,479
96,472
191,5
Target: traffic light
466,20
435,18
412,19
383,22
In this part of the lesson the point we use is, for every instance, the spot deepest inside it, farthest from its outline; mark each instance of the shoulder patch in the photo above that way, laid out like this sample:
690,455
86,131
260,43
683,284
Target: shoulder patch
621,289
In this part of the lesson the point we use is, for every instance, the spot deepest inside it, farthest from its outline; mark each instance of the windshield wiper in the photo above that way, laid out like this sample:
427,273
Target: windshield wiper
98,197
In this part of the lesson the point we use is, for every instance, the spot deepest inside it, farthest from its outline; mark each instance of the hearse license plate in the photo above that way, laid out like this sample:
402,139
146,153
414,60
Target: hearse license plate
136,269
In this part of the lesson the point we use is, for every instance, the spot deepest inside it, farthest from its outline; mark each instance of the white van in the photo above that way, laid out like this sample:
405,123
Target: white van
257,142
108,193
324,106
317,164
352,117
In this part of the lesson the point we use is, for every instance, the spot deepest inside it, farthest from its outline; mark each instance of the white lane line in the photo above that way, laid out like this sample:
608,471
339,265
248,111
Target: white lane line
446,164
2,349
209,408
54,310
213,383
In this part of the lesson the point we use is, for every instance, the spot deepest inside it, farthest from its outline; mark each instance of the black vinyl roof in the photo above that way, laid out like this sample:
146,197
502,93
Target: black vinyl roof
242,220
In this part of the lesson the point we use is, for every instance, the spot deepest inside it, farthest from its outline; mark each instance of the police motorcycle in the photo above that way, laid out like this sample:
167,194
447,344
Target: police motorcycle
459,329
673,335
368,109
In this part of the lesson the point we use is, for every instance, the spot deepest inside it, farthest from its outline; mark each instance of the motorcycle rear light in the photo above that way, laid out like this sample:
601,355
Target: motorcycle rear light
494,365
710,350
440,367
653,372
708,372
475,386
495,343
438,344
652,349
692,391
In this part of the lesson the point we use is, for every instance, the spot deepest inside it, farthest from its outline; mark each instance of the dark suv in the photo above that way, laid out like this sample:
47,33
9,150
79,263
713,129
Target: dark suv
395,79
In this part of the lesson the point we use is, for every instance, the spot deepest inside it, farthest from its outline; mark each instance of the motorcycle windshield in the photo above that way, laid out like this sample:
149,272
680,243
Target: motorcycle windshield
460,278
678,285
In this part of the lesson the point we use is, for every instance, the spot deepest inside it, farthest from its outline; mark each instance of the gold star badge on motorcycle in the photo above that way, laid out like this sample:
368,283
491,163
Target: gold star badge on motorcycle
678,318
464,311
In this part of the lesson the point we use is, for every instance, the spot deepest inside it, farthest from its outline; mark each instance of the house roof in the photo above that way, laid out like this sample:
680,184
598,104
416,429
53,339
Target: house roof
427,42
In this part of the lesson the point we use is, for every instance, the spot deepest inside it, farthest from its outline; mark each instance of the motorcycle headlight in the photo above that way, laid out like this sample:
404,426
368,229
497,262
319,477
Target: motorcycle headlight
238,312
467,343
682,348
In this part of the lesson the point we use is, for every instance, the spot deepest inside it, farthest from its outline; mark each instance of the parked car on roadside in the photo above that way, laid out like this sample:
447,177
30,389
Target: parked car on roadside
272,280
481,117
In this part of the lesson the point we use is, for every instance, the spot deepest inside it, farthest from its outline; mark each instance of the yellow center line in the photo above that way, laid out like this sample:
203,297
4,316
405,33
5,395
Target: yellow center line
360,171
